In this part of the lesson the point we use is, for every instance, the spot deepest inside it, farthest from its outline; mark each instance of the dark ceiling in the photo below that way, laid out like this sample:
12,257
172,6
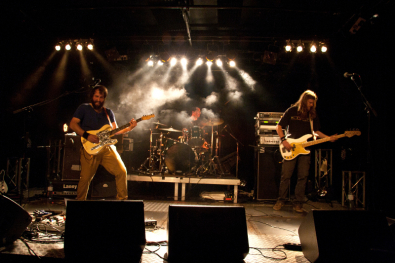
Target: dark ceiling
235,24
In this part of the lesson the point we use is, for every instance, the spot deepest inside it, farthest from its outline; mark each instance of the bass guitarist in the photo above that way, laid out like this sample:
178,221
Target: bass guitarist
300,119
93,116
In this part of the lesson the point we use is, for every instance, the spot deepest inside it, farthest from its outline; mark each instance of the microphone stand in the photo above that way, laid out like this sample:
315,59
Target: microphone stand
369,109
237,150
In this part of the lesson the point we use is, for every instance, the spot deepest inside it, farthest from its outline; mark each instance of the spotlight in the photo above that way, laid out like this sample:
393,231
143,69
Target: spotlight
150,63
68,47
219,63
299,48
288,47
313,48
184,62
199,62
209,63
324,49
90,46
160,63
173,61
57,47
65,127
79,47
232,63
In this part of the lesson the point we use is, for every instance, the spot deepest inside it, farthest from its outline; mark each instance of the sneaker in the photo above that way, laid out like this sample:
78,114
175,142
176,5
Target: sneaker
278,205
298,207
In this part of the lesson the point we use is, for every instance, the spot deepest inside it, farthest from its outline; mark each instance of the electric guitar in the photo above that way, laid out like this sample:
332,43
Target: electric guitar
298,145
104,134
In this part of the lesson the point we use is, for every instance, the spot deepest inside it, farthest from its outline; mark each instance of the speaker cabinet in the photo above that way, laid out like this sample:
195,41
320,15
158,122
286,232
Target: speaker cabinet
346,236
71,157
207,233
13,221
268,173
104,231
103,184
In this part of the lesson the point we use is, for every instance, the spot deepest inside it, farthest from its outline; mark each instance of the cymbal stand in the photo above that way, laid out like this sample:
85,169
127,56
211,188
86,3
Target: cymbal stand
237,151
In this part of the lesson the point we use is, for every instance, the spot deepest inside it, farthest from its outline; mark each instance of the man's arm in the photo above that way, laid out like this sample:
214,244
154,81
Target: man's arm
75,126
133,123
322,135
280,133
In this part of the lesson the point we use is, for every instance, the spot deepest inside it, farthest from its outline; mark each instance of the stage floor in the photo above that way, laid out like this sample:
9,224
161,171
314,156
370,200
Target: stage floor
267,229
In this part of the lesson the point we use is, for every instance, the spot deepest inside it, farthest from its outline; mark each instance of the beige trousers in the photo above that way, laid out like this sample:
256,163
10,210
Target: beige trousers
109,158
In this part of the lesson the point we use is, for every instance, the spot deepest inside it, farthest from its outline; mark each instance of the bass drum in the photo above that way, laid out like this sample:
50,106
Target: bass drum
180,158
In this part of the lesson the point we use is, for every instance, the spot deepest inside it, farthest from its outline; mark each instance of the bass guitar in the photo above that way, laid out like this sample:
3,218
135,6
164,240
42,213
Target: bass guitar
299,145
104,134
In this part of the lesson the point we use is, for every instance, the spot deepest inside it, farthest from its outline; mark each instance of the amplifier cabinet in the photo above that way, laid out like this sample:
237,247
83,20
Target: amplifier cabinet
71,167
268,163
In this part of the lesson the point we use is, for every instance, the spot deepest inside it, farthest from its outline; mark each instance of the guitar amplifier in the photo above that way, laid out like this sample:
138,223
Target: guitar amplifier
71,157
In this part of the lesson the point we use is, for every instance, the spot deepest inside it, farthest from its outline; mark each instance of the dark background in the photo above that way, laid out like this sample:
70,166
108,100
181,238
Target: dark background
30,33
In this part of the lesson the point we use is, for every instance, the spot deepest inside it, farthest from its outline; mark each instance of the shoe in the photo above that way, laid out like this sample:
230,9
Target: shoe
298,207
278,205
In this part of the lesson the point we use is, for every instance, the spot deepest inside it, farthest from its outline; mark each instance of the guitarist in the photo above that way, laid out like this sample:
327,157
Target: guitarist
93,116
300,119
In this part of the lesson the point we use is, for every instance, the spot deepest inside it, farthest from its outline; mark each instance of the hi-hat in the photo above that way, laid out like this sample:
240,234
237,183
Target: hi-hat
158,123
169,129
213,122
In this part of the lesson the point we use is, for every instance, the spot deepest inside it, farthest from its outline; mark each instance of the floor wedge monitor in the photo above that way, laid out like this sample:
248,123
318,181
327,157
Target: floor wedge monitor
207,233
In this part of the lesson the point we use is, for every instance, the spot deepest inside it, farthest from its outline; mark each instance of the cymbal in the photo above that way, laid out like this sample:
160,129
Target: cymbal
213,122
169,129
158,123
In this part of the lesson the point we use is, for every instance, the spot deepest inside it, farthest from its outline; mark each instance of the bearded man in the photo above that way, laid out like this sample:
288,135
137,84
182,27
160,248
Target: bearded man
90,117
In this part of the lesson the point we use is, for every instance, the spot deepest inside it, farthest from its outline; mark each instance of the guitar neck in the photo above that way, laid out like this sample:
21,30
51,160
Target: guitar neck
306,144
122,127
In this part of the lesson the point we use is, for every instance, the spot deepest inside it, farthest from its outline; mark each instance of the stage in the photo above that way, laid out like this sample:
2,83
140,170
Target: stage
268,230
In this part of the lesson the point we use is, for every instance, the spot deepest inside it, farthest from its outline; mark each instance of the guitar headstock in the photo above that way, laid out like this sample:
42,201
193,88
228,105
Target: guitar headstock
352,133
147,117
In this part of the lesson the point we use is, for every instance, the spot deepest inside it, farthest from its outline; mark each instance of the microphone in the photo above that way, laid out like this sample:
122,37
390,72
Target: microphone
347,75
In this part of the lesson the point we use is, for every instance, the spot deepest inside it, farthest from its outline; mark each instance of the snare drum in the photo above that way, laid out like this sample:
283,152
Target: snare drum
196,137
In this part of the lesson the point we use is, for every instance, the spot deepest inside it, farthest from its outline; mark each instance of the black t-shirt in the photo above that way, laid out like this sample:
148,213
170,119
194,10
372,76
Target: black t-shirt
90,119
296,126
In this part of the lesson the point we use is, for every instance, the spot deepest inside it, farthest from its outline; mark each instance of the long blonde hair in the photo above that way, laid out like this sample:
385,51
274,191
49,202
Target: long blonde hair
302,104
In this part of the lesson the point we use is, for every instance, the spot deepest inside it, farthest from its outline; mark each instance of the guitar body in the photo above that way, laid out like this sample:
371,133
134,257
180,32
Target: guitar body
297,147
104,134
104,140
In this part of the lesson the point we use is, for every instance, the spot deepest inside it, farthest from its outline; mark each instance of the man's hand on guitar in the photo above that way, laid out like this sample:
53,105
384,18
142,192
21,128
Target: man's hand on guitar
133,123
287,145
333,137
93,138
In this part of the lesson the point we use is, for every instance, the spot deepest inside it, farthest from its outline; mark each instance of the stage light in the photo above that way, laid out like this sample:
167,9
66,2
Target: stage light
199,62
90,46
184,61
57,47
160,63
313,48
299,48
288,46
65,127
173,61
79,47
150,63
324,49
67,47
209,63
232,63
218,62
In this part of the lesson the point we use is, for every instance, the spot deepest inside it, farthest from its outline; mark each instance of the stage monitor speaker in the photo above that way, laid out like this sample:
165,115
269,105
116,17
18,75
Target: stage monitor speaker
104,231
207,233
346,236
103,184
13,221
268,173
71,157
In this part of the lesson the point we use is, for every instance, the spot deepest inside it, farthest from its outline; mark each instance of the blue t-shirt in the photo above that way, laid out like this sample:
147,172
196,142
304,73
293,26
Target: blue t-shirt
90,119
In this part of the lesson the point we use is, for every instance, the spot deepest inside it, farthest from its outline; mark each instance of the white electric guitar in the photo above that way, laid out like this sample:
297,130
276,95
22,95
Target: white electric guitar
104,134
299,145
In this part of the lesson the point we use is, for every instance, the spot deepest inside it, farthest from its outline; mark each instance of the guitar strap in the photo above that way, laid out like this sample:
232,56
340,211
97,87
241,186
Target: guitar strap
108,117
311,126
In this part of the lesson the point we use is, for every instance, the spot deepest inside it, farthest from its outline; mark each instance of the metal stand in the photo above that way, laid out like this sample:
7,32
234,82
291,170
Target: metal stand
18,172
237,150
353,188
323,168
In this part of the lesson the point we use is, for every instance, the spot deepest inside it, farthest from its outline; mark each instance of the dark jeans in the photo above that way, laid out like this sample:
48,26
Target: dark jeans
303,173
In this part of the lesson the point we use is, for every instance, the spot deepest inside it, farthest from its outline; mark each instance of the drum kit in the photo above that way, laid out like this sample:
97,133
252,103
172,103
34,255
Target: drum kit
187,154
